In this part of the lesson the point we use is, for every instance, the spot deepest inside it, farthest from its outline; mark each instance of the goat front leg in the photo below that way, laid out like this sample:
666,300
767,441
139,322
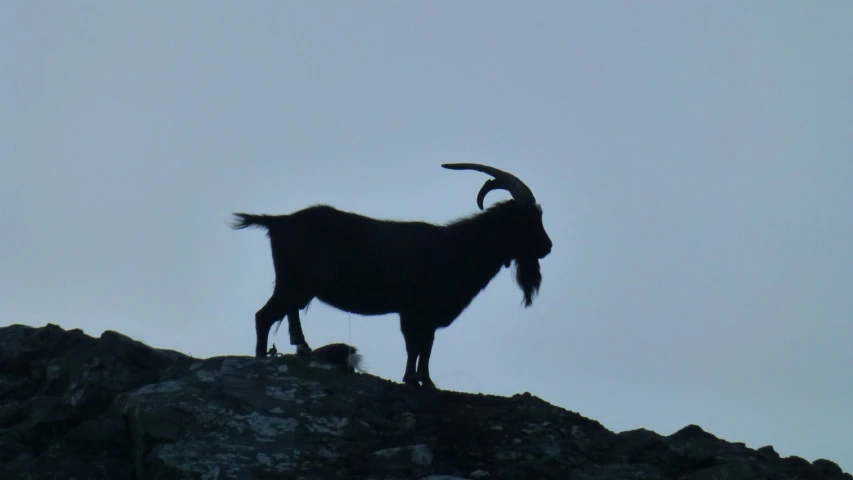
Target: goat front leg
412,337
423,362
411,376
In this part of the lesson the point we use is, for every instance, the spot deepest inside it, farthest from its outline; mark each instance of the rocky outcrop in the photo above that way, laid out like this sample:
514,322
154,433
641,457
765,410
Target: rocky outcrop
77,407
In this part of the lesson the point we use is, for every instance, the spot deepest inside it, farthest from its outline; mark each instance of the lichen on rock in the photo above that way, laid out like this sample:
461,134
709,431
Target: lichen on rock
74,406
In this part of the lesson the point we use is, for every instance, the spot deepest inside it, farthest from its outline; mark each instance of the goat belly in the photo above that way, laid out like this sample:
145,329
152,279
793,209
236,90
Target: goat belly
359,299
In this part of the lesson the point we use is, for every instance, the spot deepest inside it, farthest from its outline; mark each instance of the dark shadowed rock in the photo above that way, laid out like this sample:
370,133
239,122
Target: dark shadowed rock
77,407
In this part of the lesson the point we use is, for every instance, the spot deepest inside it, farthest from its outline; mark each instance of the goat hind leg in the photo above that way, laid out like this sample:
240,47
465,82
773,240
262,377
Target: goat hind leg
294,328
272,311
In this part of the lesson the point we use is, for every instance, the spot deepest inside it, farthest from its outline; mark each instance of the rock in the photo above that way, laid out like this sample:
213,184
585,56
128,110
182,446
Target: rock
826,467
77,407
768,453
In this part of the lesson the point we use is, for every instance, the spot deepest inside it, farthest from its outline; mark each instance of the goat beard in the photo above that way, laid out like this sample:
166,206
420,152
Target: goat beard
528,277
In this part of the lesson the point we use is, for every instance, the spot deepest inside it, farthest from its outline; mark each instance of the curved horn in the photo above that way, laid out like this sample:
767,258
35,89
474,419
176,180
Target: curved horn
502,180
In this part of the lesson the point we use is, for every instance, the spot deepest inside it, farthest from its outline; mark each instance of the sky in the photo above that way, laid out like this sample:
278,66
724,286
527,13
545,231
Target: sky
694,161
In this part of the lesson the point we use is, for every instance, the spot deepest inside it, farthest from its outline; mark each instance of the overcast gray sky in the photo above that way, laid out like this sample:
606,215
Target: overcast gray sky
694,161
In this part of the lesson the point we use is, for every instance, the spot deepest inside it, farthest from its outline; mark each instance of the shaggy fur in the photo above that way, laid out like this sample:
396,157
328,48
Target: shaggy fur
426,273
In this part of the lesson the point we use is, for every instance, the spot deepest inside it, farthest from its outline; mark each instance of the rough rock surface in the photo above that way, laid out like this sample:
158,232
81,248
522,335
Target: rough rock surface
77,407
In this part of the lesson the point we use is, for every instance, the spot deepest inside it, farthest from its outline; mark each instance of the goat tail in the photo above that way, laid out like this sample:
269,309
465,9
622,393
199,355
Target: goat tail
244,220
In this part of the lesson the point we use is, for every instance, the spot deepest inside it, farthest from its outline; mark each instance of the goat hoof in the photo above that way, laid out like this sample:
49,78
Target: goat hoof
303,350
427,384
411,380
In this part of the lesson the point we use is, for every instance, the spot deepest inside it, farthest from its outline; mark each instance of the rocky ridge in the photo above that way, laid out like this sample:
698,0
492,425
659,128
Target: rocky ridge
77,407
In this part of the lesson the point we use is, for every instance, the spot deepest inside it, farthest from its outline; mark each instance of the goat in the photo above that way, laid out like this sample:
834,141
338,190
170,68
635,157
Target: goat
426,273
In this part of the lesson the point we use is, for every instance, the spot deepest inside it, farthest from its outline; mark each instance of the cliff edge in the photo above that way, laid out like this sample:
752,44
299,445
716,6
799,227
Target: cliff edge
77,407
